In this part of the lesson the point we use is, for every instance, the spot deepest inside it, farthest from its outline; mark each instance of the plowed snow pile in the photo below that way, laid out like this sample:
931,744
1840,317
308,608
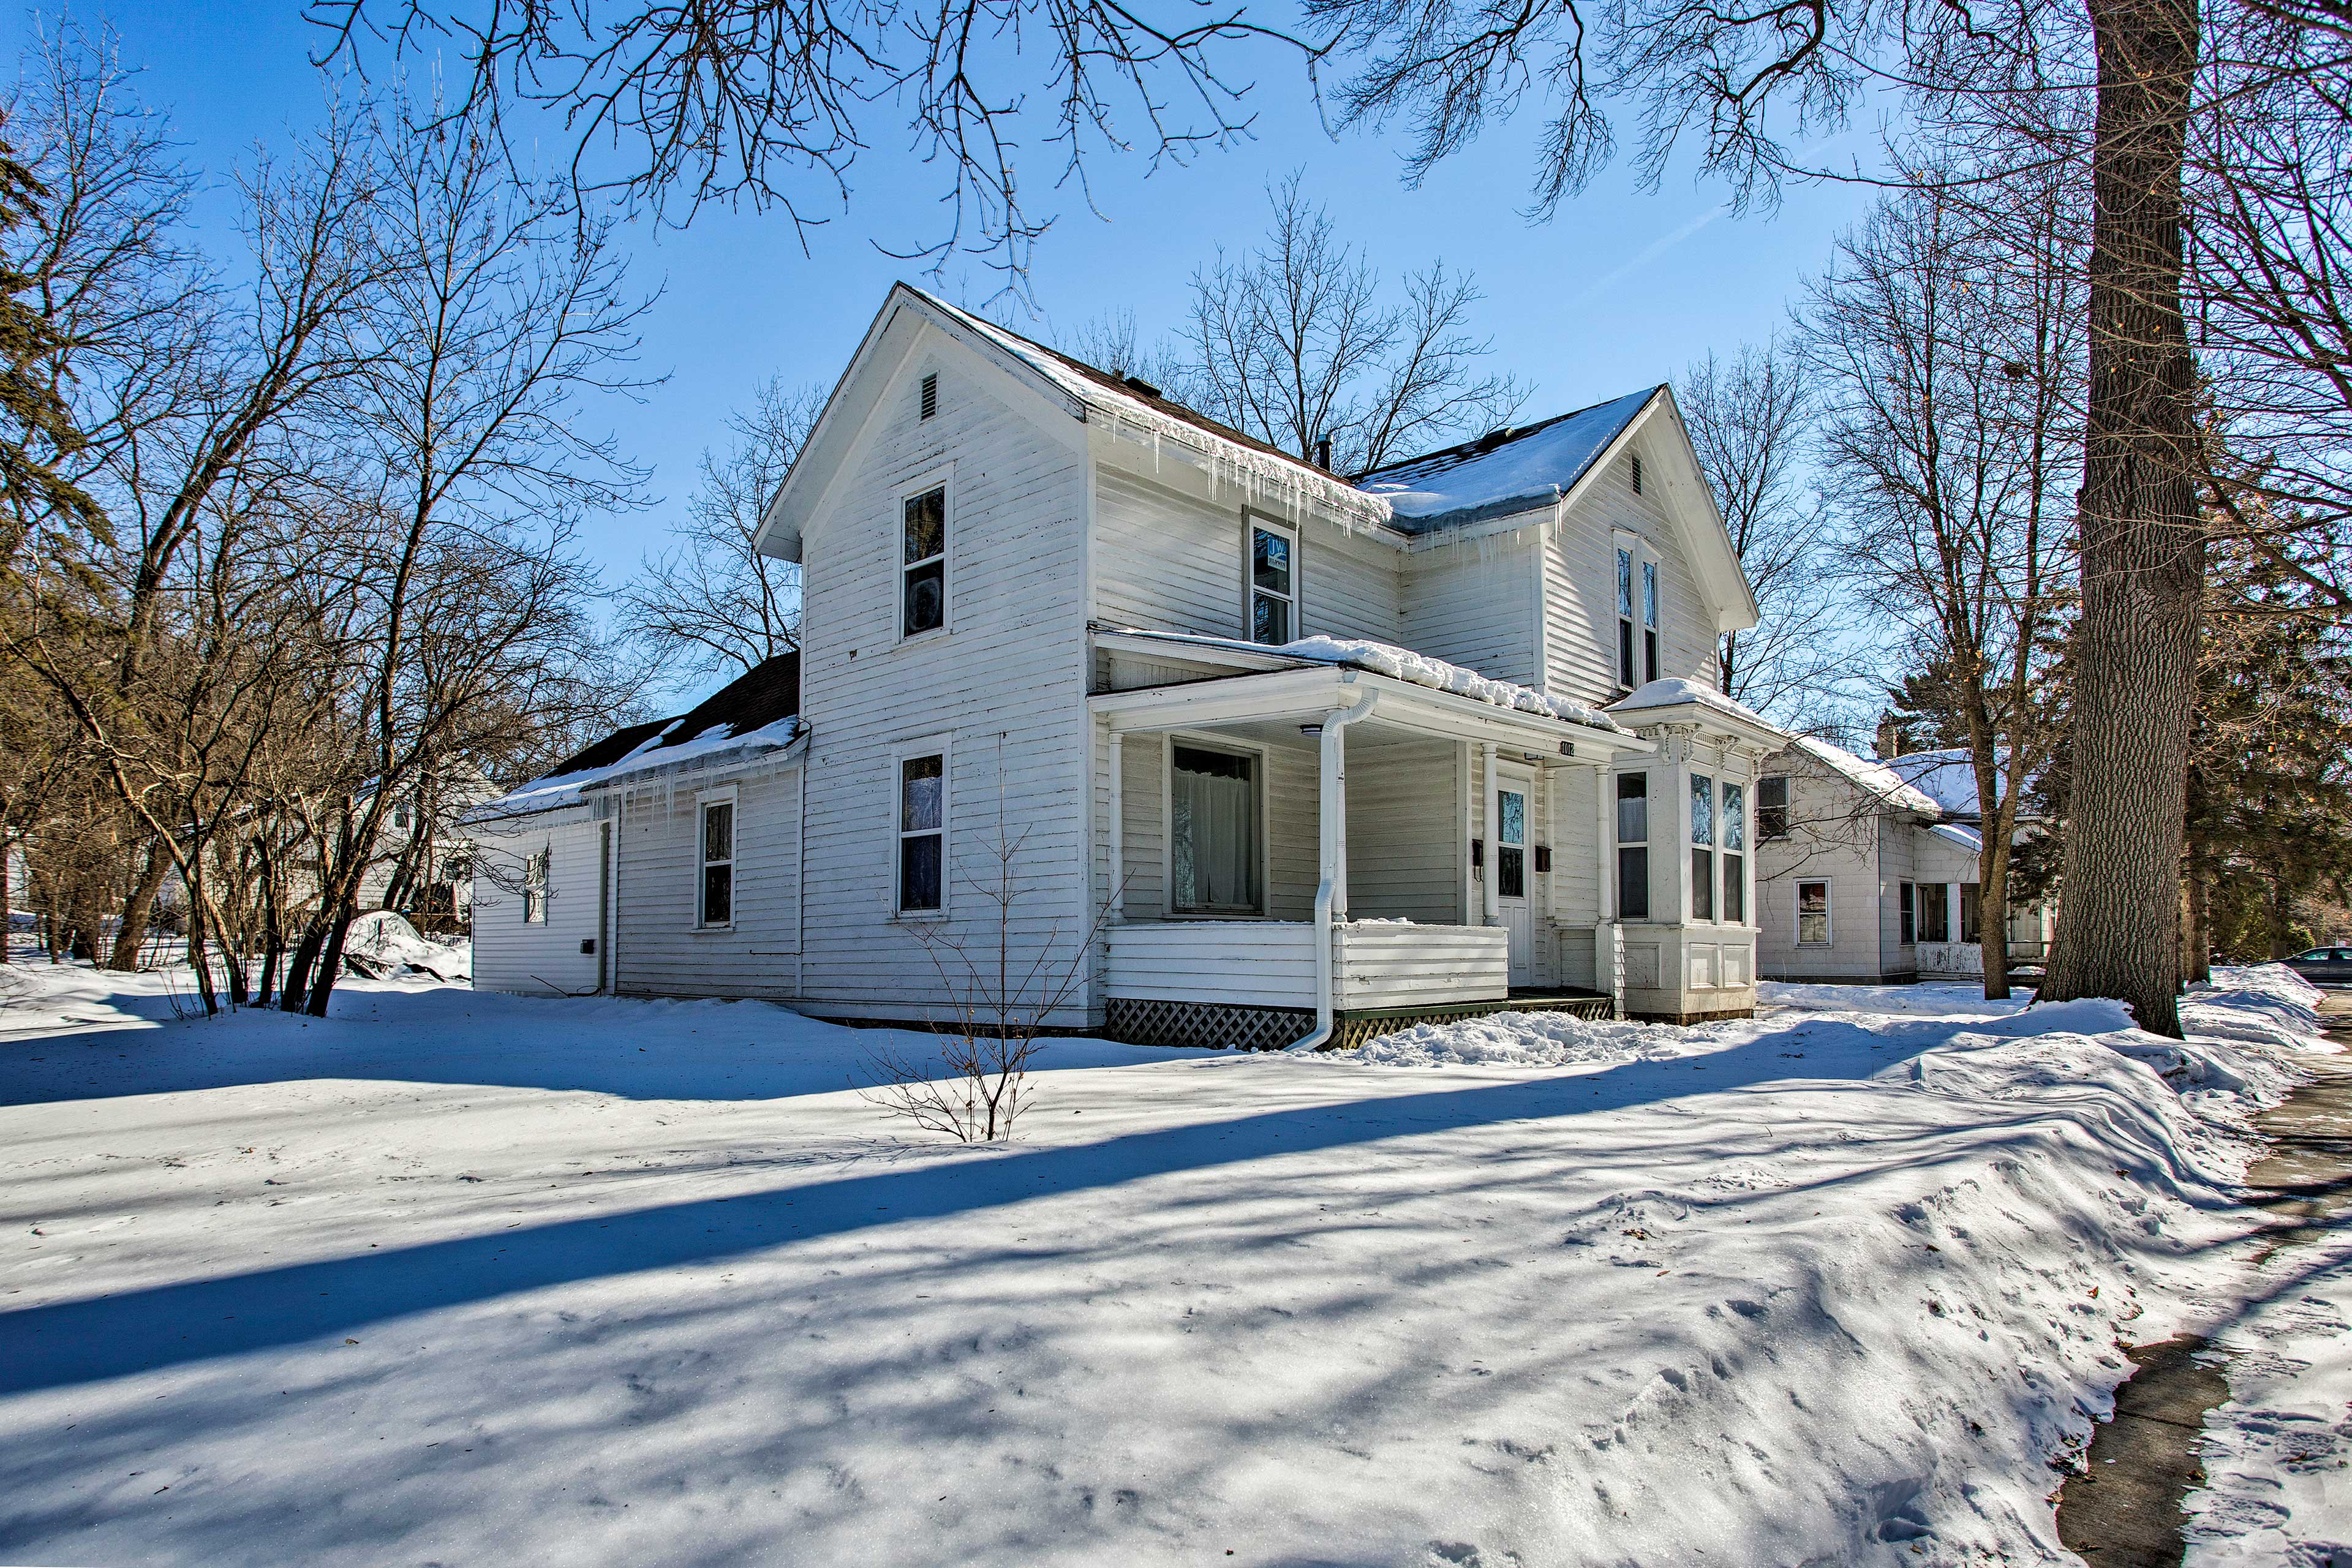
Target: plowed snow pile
473,1279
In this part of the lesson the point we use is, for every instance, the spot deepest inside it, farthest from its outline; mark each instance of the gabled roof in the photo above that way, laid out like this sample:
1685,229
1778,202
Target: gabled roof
758,710
1947,776
1875,779
1504,471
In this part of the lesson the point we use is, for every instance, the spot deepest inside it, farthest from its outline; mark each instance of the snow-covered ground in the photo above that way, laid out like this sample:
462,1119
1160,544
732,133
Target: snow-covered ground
468,1278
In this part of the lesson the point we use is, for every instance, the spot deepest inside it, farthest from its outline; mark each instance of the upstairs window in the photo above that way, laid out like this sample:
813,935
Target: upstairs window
1274,584
1773,808
1625,619
716,905
923,576
1650,620
534,888
1702,847
1213,812
1633,847
931,397
923,835
1735,852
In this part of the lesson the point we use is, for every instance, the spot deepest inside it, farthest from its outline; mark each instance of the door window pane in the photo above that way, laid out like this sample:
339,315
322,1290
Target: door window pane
1510,850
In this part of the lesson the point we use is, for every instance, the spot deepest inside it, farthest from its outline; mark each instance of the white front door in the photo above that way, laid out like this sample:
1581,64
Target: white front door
1513,869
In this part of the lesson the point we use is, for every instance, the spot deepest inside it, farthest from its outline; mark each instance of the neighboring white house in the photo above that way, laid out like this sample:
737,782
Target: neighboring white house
1045,606
1867,869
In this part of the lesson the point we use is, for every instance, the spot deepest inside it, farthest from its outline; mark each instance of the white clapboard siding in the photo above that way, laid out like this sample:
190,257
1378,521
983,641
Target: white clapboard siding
1168,560
1377,966
659,950
1474,604
1271,963
540,958
1836,836
1404,849
1006,684
1580,591
1257,963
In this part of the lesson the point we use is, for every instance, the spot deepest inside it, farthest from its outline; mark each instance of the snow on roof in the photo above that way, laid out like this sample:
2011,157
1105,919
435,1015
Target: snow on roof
1402,664
1947,776
1967,839
1673,691
1504,472
1874,777
758,711
1248,461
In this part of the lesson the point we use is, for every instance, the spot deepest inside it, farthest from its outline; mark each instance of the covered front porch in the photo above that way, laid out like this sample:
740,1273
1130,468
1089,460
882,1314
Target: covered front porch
1327,853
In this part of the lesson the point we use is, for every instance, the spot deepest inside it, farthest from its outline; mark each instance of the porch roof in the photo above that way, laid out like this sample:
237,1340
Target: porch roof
1309,692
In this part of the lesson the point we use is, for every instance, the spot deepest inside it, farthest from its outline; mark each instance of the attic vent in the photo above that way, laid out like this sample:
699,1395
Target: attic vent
1637,473
1137,384
931,403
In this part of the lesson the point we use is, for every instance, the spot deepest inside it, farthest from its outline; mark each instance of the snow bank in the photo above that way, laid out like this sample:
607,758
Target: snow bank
381,942
448,1276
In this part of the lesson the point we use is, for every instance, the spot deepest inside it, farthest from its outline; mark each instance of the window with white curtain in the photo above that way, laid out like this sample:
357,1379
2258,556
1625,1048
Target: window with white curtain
1702,847
1213,802
1633,847
1735,852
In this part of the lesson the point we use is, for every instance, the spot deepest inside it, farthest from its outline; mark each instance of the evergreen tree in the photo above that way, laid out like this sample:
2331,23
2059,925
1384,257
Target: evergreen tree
39,427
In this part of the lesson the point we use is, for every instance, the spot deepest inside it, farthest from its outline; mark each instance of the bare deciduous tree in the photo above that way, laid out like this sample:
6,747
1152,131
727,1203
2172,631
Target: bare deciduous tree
1948,347
711,603
1750,421
1298,341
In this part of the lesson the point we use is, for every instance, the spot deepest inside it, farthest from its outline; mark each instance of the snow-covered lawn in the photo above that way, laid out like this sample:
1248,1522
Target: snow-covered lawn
472,1279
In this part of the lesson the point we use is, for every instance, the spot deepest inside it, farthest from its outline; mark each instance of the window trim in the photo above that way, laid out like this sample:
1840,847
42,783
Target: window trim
893,797
942,479
1829,913
1763,834
1195,740
1732,883
1709,885
1624,589
1907,913
725,794
1651,598
1520,782
1251,522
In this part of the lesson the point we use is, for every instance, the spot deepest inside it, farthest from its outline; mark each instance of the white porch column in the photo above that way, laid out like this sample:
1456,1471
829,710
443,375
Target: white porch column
1118,828
1466,771
1487,805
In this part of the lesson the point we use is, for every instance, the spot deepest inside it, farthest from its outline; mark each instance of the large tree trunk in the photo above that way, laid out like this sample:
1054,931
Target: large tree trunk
139,909
2143,544
1992,914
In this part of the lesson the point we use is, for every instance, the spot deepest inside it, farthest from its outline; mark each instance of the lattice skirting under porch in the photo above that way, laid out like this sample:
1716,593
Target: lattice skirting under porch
1220,1024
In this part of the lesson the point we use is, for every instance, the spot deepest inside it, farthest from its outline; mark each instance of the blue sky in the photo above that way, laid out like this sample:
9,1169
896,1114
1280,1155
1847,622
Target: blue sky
1620,290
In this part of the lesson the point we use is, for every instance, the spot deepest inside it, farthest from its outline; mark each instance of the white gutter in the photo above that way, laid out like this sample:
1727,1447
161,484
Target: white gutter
1332,821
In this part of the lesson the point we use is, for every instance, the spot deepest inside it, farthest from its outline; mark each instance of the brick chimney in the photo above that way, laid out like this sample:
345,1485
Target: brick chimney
1890,737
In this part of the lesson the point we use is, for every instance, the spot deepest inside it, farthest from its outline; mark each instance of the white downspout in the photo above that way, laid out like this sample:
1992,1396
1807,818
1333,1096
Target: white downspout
1332,821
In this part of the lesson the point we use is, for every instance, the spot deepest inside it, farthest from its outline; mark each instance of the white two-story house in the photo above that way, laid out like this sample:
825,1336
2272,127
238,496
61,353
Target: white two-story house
1249,753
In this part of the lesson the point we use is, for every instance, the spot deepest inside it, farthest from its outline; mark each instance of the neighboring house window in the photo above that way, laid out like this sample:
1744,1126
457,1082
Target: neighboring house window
534,888
1908,920
1735,857
1971,930
1637,473
1213,810
1510,844
1702,847
1625,619
1773,807
1812,914
923,835
717,907
1935,912
1633,847
1650,620
1274,584
930,400
923,579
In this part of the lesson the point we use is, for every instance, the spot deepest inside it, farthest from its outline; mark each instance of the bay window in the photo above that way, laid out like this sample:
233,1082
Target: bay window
1735,852
1702,856
1633,847
1650,620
